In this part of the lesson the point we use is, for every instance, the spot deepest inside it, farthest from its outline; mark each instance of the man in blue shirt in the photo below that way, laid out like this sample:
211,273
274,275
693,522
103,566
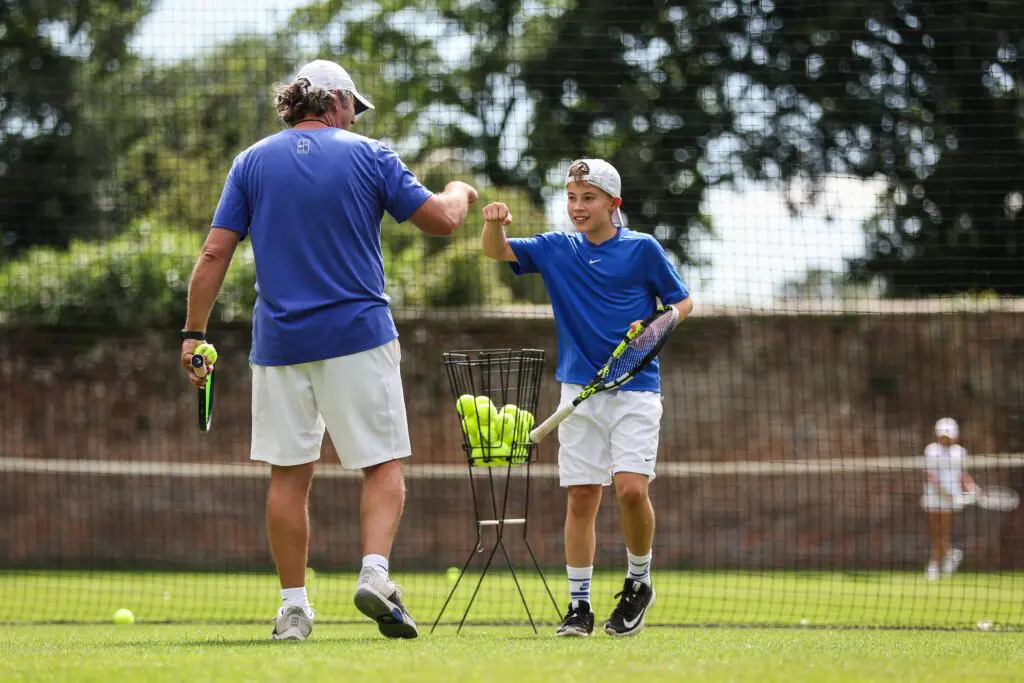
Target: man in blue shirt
601,280
325,352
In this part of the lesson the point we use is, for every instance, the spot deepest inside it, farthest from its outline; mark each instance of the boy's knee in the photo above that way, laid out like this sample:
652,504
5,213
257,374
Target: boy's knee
584,500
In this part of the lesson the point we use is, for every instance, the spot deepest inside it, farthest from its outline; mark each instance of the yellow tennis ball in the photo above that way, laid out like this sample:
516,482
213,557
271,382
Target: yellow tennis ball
510,409
453,574
207,351
506,428
524,423
124,617
466,405
486,413
498,455
473,434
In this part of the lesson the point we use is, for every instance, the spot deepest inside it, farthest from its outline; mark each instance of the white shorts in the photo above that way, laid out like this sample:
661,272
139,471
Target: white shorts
610,432
357,398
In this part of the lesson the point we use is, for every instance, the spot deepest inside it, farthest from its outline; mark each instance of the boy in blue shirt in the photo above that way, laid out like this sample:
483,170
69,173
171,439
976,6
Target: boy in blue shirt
601,280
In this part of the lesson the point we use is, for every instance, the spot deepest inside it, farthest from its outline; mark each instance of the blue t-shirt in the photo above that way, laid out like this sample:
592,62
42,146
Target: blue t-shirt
312,201
596,292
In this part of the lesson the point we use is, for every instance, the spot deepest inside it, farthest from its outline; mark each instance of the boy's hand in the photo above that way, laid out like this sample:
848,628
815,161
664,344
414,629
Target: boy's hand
497,212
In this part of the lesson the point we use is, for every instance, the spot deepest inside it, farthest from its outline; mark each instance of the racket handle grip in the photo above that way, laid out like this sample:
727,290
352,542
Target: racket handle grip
548,425
199,365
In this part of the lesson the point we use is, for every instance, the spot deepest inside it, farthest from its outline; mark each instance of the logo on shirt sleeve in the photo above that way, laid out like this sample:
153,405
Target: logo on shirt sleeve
302,147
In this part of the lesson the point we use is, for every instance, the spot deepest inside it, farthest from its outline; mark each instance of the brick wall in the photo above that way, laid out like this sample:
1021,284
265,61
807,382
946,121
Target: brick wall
736,388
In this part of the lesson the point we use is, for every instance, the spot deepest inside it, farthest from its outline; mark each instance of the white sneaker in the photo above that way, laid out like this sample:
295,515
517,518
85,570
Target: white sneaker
952,560
292,624
380,599
933,571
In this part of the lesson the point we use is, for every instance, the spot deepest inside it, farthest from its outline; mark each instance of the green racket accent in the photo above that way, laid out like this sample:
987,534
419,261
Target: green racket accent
634,353
206,403
205,394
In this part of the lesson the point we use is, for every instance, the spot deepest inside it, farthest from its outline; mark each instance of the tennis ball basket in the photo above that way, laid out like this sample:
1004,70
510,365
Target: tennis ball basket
494,395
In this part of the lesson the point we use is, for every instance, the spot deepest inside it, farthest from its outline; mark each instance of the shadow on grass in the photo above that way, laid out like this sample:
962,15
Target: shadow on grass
367,640
249,643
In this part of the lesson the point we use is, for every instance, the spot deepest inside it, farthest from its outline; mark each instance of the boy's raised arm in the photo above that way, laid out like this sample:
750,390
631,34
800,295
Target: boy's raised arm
493,241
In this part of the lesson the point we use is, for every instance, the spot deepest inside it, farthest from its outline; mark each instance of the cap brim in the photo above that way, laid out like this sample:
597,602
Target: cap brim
362,104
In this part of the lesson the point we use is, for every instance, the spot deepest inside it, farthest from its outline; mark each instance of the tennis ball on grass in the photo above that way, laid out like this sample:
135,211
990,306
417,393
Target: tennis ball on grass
124,616
207,351
452,574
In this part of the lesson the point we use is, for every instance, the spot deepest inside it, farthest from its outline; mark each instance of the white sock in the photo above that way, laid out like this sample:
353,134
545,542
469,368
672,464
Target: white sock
295,597
579,584
378,562
640,567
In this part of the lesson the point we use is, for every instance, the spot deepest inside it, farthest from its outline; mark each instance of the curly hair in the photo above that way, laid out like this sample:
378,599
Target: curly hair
579,169
296,100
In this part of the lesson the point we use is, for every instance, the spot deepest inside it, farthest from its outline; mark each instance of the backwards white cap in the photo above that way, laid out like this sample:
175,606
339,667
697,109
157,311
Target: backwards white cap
947,426
600,174
330,76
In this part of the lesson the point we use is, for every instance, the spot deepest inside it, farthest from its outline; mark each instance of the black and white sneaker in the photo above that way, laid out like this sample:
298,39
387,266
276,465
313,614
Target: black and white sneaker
627,618
380,599
579,622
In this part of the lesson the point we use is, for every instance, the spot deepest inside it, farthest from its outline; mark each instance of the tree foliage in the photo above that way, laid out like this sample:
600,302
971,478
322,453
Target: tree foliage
57,150
681,95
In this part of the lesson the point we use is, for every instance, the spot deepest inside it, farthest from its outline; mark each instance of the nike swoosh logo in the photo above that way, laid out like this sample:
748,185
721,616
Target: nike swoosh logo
631,624
594,260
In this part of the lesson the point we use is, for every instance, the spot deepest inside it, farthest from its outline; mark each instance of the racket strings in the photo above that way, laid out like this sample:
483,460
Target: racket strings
645,343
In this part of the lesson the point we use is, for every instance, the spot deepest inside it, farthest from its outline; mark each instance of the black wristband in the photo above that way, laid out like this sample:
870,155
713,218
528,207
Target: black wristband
186,334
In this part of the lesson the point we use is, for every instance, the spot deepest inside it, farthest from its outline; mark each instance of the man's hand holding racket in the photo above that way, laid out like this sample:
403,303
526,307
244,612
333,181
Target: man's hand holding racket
188,352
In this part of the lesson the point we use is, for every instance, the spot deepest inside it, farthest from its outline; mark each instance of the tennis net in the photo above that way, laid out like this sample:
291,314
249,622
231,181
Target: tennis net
840,542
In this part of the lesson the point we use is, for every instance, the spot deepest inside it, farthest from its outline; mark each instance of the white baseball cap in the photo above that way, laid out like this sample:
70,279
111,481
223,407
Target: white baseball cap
324,74
947,426
600,174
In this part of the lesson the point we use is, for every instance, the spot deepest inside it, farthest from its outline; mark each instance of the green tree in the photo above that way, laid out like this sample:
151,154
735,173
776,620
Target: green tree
56,165
684,95
927,94
190,119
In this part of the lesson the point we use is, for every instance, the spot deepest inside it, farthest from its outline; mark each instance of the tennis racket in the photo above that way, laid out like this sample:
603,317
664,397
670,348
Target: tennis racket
206,393
998,498
630,357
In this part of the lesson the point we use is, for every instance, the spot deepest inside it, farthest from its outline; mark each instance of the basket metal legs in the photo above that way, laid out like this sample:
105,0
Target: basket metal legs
499,524
506,377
